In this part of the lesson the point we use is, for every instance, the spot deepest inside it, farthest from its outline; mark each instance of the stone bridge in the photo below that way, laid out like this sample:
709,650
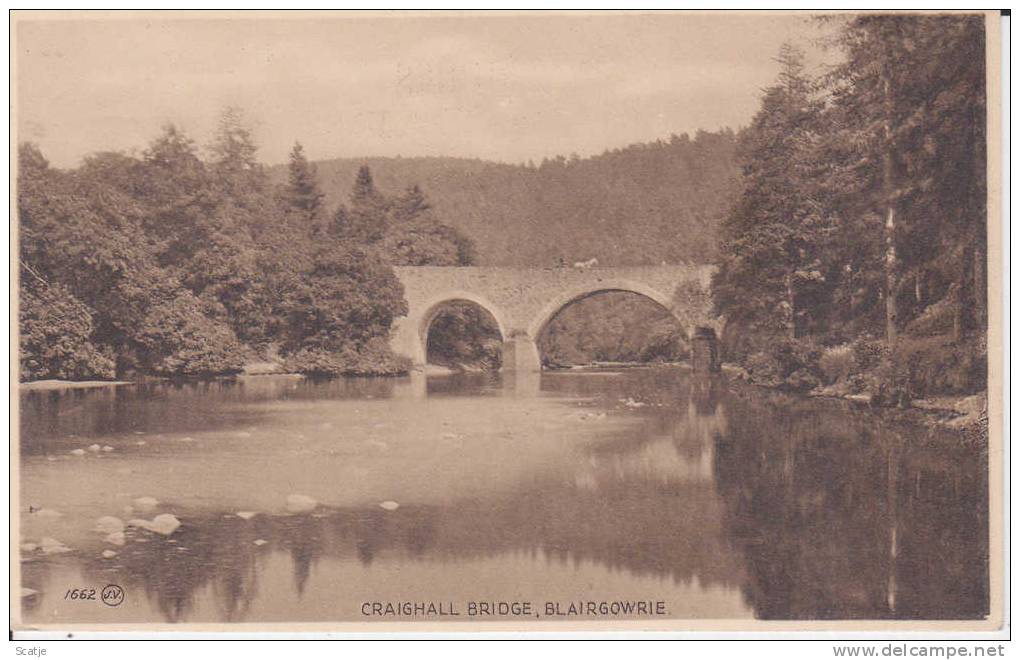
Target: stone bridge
523,300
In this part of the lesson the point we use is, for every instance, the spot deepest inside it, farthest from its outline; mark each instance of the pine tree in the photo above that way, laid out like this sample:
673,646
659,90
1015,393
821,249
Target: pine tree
366,221
909,99
303,195
773,237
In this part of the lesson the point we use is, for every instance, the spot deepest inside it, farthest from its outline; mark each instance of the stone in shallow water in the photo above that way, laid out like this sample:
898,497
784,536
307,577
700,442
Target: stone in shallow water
164,523
107,448
94,448
389,505
246,515
300,503
260,541
109,525
52,546
116,538
109,554
146,503
78,452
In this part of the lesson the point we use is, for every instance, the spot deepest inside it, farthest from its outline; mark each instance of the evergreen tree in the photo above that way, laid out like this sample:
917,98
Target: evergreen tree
911,100
302,195
366,221
773,237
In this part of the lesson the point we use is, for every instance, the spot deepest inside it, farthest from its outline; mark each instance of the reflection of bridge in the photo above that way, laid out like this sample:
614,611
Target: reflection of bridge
523,300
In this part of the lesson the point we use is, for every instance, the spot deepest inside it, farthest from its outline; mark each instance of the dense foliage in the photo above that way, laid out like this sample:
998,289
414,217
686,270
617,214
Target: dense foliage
613,327
862,216
170,264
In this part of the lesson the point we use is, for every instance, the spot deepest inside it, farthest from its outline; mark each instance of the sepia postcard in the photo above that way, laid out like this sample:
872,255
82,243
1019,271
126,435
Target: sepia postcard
457,321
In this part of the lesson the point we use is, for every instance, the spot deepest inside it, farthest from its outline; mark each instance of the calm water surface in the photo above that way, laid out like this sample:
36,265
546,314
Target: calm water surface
647,484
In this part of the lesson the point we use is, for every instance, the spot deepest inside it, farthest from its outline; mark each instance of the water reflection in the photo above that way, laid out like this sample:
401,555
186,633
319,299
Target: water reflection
725,503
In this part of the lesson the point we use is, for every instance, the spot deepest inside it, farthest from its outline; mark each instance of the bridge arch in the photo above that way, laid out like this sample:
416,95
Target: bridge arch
555,306
435,306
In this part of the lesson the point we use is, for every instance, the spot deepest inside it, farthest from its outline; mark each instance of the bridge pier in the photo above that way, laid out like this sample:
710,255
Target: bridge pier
520,353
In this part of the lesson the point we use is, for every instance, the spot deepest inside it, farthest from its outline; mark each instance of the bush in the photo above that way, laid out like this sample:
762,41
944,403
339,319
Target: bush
375,358
869,354
764,369
837,364
178,338
56,337
790,364
938,365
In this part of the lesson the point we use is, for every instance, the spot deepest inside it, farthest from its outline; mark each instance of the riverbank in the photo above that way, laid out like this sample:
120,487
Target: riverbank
965,416
53,384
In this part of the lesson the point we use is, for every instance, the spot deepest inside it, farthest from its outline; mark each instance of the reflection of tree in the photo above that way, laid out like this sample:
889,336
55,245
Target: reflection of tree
827,513
302,536
217,551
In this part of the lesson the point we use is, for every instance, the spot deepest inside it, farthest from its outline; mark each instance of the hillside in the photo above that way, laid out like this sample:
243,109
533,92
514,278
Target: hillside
645,203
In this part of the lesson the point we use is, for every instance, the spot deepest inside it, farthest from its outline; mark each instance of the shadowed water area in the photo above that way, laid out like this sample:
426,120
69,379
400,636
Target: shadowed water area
642,485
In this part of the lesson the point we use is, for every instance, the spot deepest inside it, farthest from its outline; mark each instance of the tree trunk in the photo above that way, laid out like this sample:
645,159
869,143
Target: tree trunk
980,281
889,191
791,318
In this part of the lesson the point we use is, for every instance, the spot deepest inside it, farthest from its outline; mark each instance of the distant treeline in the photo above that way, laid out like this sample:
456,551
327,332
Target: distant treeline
855,256
642,204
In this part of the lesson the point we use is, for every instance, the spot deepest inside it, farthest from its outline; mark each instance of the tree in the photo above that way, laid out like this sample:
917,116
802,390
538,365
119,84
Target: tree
417,238
910,96
773,239
302,195
366,221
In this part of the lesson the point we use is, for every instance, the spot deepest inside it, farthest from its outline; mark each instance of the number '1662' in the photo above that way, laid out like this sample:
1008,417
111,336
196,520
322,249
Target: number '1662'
80,594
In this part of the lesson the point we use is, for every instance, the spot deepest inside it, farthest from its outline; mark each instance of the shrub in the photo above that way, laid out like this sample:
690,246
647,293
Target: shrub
787,363
56,337
869,354
837,364
374,358
178,338
939,365
764,369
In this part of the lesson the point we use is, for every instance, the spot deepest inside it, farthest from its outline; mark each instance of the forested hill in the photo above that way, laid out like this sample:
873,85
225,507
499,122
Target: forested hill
646,203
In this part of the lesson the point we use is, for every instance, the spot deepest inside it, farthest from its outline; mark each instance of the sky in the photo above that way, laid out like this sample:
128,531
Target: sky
510,88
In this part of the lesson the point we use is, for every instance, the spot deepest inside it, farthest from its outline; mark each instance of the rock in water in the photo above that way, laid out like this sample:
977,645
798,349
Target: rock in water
300,503
78,452
94,448
246,515
146,503
109,554
107,448
389,505
260,541
52,546
116,538
165,524
109,525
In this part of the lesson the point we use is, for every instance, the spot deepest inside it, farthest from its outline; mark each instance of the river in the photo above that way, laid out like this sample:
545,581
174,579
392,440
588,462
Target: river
706,499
